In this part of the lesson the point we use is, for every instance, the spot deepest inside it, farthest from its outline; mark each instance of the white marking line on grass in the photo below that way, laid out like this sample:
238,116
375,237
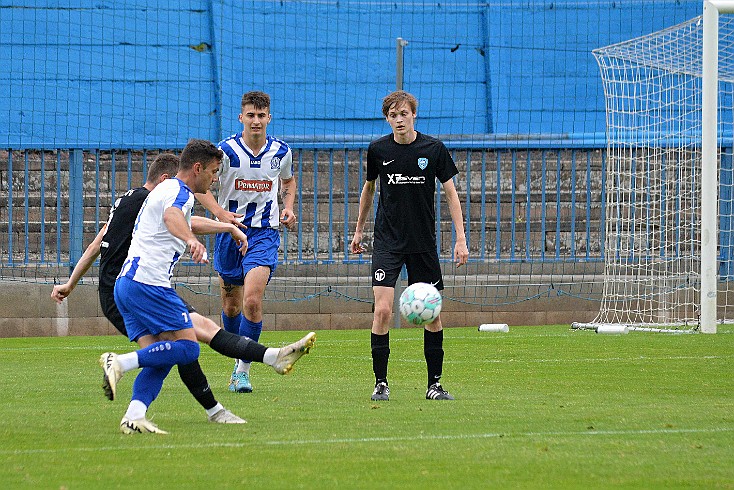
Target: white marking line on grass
545,361
94,348
362,440
418,338
593,359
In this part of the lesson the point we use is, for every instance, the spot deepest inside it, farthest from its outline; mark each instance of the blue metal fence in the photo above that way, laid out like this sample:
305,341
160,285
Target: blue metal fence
520,205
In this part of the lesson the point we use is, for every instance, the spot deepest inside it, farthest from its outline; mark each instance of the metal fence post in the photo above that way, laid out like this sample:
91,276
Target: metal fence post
76,205
400,44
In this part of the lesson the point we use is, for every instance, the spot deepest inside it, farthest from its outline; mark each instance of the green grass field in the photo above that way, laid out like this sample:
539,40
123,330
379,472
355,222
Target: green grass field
536,407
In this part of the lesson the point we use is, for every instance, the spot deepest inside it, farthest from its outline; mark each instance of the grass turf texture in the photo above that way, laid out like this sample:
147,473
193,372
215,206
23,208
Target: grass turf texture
536,407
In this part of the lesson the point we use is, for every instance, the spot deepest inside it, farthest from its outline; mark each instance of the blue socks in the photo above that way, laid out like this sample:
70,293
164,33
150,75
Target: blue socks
167,353
148,384
249,329
157,360
232,323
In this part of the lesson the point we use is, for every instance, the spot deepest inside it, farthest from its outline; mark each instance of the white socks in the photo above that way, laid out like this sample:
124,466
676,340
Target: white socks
243,367
214,409
271,355
128,361
136,410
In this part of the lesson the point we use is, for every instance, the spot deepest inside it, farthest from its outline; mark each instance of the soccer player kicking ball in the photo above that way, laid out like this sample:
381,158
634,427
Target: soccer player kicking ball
407,164
111,244
152,311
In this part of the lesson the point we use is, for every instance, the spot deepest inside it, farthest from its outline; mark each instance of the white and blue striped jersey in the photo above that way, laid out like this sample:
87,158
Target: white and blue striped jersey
248,182
154,251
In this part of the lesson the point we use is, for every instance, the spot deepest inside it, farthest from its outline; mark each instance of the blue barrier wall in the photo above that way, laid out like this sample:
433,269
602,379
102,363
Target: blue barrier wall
87,74
146,73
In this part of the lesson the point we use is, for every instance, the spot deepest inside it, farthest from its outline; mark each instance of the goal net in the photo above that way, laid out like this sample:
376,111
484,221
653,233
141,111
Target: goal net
654,194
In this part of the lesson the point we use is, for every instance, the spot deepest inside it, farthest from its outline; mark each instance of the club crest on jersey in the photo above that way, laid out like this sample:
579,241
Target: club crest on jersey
275,163
253,185
422,163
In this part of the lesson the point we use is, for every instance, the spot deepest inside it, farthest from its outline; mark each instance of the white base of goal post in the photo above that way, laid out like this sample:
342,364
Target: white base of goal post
603,328
618,328
613,329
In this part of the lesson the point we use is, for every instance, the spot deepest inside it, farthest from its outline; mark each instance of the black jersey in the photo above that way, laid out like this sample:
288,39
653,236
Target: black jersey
119,234
406,213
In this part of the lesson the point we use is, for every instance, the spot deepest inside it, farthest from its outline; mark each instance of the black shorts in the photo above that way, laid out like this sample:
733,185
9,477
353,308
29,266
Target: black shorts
110,311
421,267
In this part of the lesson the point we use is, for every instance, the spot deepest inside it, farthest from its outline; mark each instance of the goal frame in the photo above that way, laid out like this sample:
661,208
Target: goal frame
709,174
709,159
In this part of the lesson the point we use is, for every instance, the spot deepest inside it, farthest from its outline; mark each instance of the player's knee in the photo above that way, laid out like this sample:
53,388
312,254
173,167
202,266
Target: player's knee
204,328
188,351
383,313
252,307
231,310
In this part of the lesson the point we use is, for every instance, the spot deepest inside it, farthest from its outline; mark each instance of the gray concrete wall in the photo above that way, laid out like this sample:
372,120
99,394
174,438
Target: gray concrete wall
26,310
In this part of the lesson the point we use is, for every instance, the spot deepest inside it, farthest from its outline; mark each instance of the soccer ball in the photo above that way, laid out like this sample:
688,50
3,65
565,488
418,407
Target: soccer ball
420,303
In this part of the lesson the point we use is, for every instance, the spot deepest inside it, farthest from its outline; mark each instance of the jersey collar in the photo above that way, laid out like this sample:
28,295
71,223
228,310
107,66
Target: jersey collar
240,142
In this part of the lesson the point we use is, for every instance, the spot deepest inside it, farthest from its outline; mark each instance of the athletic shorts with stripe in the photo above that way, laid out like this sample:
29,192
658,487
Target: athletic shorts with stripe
150,310
262,250
110,311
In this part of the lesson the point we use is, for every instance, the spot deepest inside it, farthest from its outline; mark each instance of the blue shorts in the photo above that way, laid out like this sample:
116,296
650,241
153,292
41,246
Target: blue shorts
150,310
262,250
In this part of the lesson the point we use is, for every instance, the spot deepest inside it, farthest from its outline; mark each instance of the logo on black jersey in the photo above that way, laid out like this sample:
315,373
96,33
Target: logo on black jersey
422,163
405,179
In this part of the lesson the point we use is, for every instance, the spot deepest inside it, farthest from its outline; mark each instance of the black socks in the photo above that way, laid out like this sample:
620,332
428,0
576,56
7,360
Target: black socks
380,356
237,347
195,380
433,351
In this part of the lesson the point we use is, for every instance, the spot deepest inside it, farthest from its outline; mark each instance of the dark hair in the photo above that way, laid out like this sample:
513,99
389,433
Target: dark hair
259,100
165,163
201,151
396,98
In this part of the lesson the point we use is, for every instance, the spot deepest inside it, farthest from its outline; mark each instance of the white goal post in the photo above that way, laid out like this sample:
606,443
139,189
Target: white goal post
668,115
709,164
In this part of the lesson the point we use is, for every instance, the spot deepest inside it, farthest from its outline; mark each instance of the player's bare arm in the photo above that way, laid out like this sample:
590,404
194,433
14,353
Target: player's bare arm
288,196
178,226
461,252
206,226
210,203
93,250
365,204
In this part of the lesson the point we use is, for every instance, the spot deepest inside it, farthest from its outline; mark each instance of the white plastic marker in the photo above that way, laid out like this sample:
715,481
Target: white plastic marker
494,327
612,329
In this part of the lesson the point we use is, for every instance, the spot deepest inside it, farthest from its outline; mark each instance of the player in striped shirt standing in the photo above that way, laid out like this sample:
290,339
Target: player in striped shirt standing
255,169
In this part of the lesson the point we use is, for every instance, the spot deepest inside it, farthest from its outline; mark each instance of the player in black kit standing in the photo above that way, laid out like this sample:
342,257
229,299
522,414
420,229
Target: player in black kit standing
407,163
